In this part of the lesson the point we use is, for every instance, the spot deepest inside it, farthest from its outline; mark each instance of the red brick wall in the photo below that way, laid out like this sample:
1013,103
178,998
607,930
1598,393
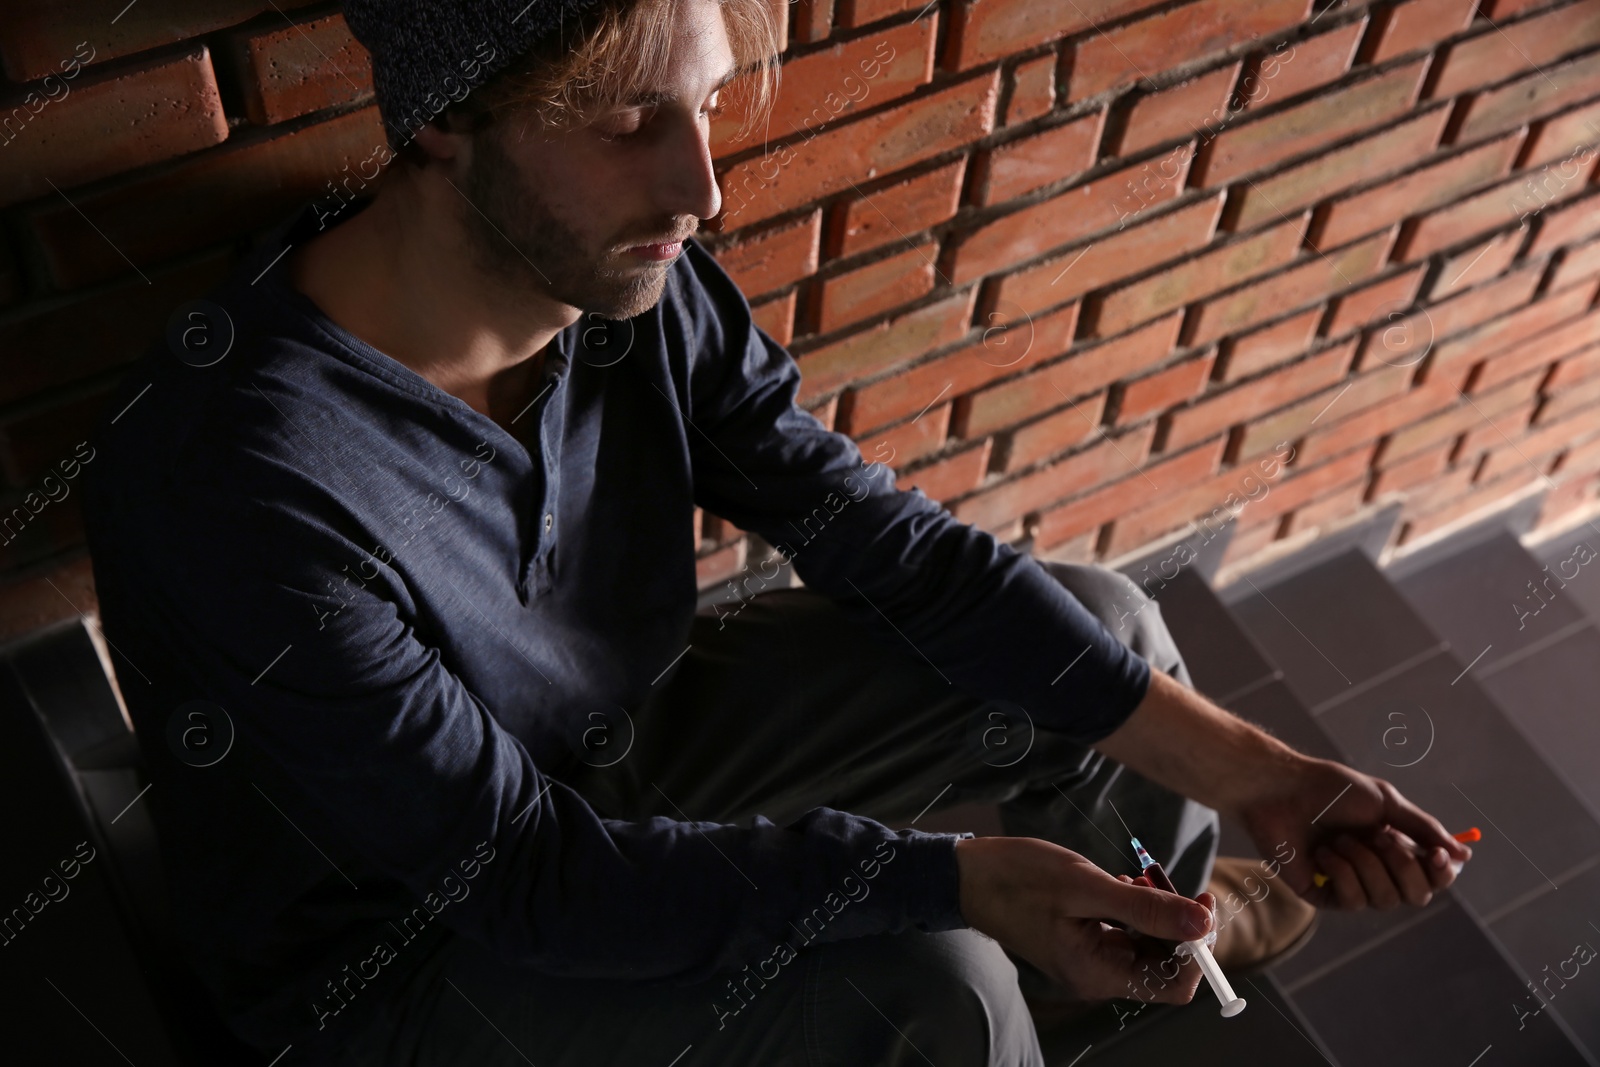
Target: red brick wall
1085,267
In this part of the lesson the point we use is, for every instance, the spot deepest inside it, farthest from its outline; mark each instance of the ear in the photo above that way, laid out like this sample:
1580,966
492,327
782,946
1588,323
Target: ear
439,144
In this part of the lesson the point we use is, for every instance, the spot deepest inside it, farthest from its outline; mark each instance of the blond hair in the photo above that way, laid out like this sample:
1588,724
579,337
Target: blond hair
612,53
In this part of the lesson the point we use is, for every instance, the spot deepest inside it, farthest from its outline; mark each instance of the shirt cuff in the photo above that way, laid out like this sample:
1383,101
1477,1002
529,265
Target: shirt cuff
934,882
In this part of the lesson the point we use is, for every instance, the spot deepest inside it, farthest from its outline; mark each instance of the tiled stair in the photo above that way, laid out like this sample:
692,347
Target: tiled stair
1485,715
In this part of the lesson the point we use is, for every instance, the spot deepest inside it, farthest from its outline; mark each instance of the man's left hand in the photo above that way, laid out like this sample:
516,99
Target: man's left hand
1376,848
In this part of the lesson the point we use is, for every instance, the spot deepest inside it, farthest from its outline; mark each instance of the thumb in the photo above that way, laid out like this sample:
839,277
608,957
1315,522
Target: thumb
1153,912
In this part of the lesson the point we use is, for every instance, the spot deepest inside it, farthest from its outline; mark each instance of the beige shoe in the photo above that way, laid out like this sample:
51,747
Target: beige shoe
1259,919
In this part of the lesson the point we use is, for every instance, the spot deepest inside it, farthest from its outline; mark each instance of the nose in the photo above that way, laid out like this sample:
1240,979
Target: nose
689,182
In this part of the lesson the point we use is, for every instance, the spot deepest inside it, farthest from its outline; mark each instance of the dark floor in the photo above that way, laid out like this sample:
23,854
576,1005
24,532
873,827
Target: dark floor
1468,677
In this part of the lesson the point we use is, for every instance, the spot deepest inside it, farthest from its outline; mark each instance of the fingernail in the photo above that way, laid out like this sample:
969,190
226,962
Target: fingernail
1440,857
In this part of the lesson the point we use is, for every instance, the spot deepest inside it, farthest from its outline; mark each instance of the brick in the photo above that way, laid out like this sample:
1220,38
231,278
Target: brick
1042,159
1408,473
1199,499
1033,89
1248,542
1339,434
243,185
1083,371
826,411
1567,225
1143,49
913,439
1420,24
1089,512
1294,188
1577,264
1341,400
136,115
1316,277
1567,498
1177,112
1578,366
1580,460
1384,298
1540,350
813,20
294,70
1483,499
1502,333
1535,451
1525,99
1416,192
1067,429
720,565
1565,136
1505,204
51,533
38,40
1242,403
897,211
68,340
776,316
800,172
1406,340
1319,121
1504,9
985,30
1122,254
1574,398
1069,216
1457,419
1305,65
1269,346
1159,391
886,346
832,84
1329,508
953,375
59,592
948,478
853,13
1486,260
34,443
1503,51
770,259
877,287
1096,465
1200,277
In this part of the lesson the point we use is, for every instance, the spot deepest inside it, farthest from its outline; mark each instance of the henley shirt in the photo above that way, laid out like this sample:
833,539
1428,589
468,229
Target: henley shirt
397,615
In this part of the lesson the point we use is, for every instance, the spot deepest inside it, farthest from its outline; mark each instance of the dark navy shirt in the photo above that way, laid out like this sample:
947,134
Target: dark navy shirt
389,618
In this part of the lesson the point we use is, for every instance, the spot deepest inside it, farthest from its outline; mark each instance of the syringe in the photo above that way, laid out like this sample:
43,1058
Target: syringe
1231,1004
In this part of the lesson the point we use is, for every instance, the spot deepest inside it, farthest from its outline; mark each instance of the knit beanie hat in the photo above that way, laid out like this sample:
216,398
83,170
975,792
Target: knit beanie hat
428,54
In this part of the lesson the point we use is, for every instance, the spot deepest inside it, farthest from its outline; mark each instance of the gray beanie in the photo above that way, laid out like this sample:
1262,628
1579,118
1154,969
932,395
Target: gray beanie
428,54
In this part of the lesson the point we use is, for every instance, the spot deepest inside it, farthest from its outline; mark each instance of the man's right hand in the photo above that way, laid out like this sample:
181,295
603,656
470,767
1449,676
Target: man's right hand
1050,905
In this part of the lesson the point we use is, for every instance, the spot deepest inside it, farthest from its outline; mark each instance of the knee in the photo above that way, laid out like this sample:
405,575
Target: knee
1119,602
962,1004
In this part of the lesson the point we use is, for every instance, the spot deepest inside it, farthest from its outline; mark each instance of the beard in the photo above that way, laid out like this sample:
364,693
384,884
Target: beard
517,236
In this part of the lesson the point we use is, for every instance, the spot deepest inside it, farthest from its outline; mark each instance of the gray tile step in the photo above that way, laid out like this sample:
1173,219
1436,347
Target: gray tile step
1397,703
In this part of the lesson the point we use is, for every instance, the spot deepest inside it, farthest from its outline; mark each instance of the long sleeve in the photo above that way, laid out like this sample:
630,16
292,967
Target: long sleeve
988,618
390,756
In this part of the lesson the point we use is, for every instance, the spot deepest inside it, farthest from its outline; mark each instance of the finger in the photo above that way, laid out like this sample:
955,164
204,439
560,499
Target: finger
1380,889
1343,883
1422,827
1150,911
1179,976
1399,855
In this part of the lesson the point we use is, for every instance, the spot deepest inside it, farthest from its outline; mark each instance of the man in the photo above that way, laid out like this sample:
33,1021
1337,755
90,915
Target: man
419,542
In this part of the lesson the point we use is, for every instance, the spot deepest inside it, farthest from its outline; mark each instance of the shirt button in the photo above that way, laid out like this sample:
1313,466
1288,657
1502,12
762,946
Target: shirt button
549,521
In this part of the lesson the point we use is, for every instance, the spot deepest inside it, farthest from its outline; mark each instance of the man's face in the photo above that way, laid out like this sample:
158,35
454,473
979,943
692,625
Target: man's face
595,216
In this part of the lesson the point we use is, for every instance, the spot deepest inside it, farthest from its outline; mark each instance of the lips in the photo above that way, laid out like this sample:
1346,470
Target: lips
656,251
